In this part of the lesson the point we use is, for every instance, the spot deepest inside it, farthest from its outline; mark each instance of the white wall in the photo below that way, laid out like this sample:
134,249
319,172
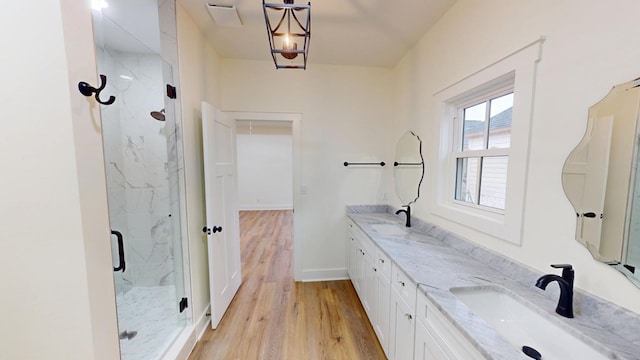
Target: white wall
353,114
199,71
346,114
57,286
589,48
265,167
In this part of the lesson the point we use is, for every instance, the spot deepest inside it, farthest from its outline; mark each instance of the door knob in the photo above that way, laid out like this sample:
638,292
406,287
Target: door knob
209,230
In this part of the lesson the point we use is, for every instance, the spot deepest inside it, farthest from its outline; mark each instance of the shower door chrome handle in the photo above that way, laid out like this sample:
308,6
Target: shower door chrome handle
121,263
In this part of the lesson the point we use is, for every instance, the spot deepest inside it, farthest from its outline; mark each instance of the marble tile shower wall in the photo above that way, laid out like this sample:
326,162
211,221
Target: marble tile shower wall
136,158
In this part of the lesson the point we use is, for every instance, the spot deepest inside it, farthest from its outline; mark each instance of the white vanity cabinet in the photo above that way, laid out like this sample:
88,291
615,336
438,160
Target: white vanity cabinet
370,273
354,257
402,316
426,347
437,338
361,270
406,323
382,263
370,299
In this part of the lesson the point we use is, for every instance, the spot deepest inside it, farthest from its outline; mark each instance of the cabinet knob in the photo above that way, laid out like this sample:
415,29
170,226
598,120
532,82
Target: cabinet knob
381,260
401,282
409,316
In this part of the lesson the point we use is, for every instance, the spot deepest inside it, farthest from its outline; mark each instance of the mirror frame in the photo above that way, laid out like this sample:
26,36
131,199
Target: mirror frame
397,164
599,178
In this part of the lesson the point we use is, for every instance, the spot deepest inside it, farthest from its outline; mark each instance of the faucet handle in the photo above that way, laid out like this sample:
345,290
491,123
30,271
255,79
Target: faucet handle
567,271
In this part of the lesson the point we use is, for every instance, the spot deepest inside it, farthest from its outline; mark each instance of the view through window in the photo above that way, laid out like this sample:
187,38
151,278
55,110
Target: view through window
483,155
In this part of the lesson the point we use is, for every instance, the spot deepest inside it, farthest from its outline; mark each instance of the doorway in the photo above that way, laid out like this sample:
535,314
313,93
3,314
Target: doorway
278,125
265,165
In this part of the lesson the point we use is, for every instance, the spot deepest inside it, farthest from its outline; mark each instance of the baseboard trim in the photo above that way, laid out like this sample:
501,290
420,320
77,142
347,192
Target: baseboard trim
203,323
265,207
183,345
190,335
324,275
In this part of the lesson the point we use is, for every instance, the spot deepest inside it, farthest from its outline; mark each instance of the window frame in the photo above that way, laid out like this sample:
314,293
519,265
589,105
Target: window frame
516,70
501,89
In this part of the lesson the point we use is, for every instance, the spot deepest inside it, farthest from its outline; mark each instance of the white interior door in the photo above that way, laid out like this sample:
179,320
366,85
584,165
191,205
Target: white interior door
223,238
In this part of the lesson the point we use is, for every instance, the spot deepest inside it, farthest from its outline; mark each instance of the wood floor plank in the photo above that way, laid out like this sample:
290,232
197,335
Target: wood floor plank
274,318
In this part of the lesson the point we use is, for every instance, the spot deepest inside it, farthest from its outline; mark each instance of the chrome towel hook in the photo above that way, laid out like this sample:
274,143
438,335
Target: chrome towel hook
88,90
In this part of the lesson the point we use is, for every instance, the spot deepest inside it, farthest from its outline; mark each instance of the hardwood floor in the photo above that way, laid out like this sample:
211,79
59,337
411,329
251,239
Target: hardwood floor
273,317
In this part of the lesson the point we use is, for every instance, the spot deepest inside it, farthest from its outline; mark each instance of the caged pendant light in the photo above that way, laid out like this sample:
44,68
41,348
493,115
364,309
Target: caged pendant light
289,38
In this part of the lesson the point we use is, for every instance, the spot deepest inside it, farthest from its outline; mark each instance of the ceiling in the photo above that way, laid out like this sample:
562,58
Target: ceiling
343,32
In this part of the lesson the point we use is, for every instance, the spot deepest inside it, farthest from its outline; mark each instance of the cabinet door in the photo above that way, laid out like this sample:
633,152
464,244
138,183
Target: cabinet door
352,255
426,347
356,265
369,287
383,314
402,328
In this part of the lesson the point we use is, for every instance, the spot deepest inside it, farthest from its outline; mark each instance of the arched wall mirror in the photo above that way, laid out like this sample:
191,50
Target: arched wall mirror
408,168
601,181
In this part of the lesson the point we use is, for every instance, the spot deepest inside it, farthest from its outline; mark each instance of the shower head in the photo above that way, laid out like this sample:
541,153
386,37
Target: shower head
158,115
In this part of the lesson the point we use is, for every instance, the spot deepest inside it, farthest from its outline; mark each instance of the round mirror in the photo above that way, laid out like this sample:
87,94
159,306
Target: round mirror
599,178
408,168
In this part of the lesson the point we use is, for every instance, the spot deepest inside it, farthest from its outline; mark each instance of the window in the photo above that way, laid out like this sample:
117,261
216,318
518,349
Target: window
482,152
484,146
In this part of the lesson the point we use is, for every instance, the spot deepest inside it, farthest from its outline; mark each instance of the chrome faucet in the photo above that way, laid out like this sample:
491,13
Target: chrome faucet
408,213
565,303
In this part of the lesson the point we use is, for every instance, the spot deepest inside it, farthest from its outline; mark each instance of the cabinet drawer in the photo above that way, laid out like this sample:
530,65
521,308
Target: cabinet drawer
366,245
382,263
448,337
368,248
351,226
405,287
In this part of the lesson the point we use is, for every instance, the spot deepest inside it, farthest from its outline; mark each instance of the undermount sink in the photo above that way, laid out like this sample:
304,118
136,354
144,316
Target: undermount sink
388,229
522,326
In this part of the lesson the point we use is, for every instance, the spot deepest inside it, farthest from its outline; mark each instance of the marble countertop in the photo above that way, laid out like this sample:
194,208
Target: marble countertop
436,267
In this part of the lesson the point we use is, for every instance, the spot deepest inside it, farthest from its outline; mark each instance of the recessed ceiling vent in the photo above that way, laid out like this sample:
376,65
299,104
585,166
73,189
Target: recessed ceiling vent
224,15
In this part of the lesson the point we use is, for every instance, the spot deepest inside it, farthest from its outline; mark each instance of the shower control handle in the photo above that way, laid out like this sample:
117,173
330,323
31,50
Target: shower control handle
121,263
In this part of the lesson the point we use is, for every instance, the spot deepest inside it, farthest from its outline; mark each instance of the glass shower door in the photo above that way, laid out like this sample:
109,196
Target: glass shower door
142,182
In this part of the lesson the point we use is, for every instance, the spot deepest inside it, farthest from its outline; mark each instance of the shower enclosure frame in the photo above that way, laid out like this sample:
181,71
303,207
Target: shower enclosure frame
168,53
